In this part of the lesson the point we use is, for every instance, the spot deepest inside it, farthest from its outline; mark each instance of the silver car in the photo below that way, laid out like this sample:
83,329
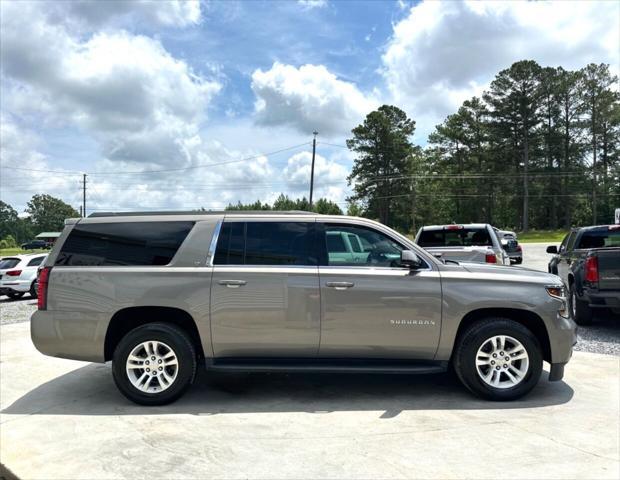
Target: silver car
474,242
159,294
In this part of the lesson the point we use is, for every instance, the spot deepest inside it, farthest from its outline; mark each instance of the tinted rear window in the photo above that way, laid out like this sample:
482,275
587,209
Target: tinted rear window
265,243
36,261
462,237
122,244
8,263
600,239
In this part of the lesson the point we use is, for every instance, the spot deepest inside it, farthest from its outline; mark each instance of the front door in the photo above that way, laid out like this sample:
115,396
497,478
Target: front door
265,289
372,307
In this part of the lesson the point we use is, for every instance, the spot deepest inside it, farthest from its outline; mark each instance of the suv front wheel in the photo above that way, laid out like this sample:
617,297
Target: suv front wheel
154,364
498,359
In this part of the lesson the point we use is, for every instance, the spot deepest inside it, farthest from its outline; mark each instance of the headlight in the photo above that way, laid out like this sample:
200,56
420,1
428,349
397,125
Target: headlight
559,292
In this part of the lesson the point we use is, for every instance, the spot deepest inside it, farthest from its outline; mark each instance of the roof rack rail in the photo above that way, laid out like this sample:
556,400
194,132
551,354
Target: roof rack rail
201,212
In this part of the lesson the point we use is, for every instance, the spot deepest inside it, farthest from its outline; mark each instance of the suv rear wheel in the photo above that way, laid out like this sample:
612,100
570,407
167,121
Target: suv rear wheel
498,359
154,364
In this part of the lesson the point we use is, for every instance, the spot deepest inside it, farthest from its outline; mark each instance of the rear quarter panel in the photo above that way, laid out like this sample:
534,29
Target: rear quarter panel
83,300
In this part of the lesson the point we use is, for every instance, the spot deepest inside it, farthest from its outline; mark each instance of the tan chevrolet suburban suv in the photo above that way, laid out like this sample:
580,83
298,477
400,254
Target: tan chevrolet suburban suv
160,293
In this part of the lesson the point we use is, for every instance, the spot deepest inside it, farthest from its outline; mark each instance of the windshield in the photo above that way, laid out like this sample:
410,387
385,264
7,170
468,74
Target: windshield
461,237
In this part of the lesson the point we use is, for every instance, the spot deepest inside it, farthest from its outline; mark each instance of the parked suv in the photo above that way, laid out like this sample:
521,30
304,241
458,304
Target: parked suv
36,244
157,294
18,275
510,244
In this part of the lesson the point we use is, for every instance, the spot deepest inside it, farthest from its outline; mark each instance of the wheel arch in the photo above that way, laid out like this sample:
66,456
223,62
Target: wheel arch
126,319
528,319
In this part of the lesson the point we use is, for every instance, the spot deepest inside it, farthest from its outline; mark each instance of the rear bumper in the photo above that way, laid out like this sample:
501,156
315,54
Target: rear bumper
66,335
21,286
602,299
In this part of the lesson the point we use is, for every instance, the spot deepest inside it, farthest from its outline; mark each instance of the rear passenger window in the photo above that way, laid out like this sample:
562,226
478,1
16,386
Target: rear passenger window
123,244
265,243
230,247
36,261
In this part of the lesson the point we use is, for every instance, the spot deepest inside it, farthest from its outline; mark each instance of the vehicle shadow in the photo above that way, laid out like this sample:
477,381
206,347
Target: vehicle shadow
90,391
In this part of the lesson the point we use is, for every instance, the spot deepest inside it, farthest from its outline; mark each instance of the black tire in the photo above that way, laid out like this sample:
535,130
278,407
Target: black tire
33,289
582,313
177,340
475,336
15,295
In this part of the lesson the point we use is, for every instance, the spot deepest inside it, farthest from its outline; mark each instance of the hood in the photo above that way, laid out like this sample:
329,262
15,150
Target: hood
517,273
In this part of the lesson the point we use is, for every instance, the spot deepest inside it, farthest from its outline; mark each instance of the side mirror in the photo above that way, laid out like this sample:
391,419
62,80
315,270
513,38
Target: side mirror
552,249
408,258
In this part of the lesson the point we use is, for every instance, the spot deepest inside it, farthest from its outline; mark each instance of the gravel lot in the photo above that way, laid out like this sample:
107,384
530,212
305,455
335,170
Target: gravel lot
602,337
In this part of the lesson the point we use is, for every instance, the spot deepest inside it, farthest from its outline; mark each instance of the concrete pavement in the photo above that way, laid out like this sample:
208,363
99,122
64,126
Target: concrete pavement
535,255
65,419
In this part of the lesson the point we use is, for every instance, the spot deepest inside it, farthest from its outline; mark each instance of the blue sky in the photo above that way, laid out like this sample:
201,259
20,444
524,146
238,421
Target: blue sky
204,90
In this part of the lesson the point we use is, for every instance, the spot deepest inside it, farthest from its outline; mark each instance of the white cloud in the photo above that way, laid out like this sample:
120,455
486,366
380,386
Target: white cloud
444,52
94,13
330,177
21,147
308,98
310,4
127,91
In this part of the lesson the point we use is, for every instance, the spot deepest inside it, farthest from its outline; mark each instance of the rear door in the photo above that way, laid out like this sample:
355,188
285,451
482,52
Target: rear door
376,308
265,289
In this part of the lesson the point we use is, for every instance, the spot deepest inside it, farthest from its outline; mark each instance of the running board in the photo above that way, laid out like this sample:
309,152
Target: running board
325,365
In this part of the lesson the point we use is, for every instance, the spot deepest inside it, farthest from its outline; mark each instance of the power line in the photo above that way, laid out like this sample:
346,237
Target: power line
138,172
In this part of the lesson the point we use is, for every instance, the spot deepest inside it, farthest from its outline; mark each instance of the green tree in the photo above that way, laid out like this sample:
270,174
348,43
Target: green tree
8,242
8,220
380,173
513,98
326,207
599,103
48,213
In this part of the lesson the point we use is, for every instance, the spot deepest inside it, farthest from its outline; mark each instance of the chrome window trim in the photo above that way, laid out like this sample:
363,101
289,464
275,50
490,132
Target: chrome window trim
213,244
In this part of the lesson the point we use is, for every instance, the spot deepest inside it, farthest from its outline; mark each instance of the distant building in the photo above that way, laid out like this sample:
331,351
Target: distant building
48,236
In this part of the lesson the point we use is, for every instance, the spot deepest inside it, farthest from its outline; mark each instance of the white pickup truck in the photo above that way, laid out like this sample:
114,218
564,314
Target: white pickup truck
474,242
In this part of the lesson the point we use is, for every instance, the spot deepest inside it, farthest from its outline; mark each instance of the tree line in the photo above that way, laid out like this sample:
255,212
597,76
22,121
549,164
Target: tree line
539,149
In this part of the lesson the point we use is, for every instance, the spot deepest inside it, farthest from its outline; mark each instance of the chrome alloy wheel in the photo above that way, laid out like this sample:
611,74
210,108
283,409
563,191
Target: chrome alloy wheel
152,367
502,361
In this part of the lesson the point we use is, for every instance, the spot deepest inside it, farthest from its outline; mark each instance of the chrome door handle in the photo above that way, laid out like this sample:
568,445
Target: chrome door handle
232,283
340,285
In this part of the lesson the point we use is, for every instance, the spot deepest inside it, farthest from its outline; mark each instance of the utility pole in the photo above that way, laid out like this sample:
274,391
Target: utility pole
83,195
312,169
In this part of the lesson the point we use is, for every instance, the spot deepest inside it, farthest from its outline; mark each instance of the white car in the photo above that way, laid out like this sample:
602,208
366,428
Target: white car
18,275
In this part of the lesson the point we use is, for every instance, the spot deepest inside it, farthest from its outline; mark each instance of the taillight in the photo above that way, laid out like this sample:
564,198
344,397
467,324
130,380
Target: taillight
591,268
42,288
490,258
519,248
13,273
